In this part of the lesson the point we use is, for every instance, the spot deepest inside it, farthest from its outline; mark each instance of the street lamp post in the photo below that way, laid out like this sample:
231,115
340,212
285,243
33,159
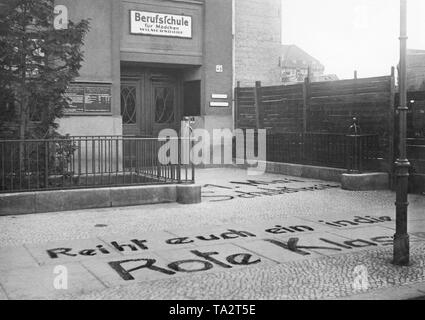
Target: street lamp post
401,237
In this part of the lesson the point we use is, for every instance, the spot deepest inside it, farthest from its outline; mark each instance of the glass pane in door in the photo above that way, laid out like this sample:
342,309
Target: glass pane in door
128,104
164,105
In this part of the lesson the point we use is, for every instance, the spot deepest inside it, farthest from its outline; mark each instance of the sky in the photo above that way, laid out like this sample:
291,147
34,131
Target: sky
348,35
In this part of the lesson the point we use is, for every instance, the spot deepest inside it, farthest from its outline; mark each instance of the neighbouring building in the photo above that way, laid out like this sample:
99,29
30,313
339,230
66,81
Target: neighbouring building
149,63
296,64
258,40
416,70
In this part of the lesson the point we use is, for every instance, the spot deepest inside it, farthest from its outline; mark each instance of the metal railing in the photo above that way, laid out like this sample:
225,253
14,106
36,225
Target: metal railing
88,162
416,154
352,152
363,152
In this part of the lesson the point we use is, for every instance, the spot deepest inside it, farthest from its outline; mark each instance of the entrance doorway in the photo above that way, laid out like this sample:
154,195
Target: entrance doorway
150,101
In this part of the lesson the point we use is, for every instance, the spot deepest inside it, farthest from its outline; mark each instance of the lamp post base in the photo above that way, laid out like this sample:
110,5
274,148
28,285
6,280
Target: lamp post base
401,250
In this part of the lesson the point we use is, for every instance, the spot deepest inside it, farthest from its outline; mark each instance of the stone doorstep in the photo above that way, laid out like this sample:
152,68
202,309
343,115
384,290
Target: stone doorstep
67,200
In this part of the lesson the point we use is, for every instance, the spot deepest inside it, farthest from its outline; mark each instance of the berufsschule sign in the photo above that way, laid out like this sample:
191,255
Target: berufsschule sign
160,24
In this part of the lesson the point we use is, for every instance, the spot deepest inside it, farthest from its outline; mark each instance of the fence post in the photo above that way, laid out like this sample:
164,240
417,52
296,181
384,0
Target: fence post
179,164
46,164
259,108
238,84
306,99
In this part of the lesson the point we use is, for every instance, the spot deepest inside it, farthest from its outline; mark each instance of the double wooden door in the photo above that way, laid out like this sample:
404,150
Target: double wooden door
150,102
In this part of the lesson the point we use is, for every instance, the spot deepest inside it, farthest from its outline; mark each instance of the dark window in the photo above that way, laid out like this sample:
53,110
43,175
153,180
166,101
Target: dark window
192,98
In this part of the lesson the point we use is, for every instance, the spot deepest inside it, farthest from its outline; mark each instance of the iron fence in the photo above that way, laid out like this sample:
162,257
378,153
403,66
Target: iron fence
352,152
87,162
416,154
355,153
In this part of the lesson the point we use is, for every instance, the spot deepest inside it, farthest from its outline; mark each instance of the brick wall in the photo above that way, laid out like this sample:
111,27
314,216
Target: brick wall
257,41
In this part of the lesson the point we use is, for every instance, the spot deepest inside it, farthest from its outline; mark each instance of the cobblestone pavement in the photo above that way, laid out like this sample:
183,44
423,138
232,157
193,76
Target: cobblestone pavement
261,237
322,278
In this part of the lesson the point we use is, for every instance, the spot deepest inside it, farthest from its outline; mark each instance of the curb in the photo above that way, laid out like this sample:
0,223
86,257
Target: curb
79,199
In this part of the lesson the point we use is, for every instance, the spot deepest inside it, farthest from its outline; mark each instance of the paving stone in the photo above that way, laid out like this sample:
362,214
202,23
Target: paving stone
38,283
398,293
322,278
274,250
377,234
229,257
295,226
316,276
348,222
71,251
143,242
215,235
308,246
115,271
16,257
3,295
417,228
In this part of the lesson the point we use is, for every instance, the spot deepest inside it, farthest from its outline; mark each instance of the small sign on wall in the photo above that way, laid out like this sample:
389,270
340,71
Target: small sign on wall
219,96
219,68
160,24
219,104
89,98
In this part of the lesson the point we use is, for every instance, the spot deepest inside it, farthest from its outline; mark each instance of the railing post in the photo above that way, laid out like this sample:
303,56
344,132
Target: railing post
354,155
46,164
306,97
238,84
179,166
259,112
192,143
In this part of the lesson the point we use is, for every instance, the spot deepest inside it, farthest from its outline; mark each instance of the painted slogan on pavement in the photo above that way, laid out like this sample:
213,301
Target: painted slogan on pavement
228,249
250,189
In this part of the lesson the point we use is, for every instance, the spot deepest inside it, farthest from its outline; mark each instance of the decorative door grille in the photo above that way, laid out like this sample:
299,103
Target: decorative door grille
164,105
128,104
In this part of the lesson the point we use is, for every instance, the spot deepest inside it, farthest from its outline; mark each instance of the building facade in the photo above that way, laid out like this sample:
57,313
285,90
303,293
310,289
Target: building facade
258,39
149,63
296,65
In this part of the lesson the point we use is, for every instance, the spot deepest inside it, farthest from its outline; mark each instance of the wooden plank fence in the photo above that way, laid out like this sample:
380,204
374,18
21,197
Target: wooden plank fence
322,107
329,107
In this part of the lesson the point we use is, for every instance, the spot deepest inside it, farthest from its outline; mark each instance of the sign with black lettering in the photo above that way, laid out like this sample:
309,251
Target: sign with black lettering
160,24
75,94
89,98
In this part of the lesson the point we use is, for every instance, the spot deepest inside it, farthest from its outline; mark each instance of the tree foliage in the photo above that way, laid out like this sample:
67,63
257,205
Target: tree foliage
37,63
